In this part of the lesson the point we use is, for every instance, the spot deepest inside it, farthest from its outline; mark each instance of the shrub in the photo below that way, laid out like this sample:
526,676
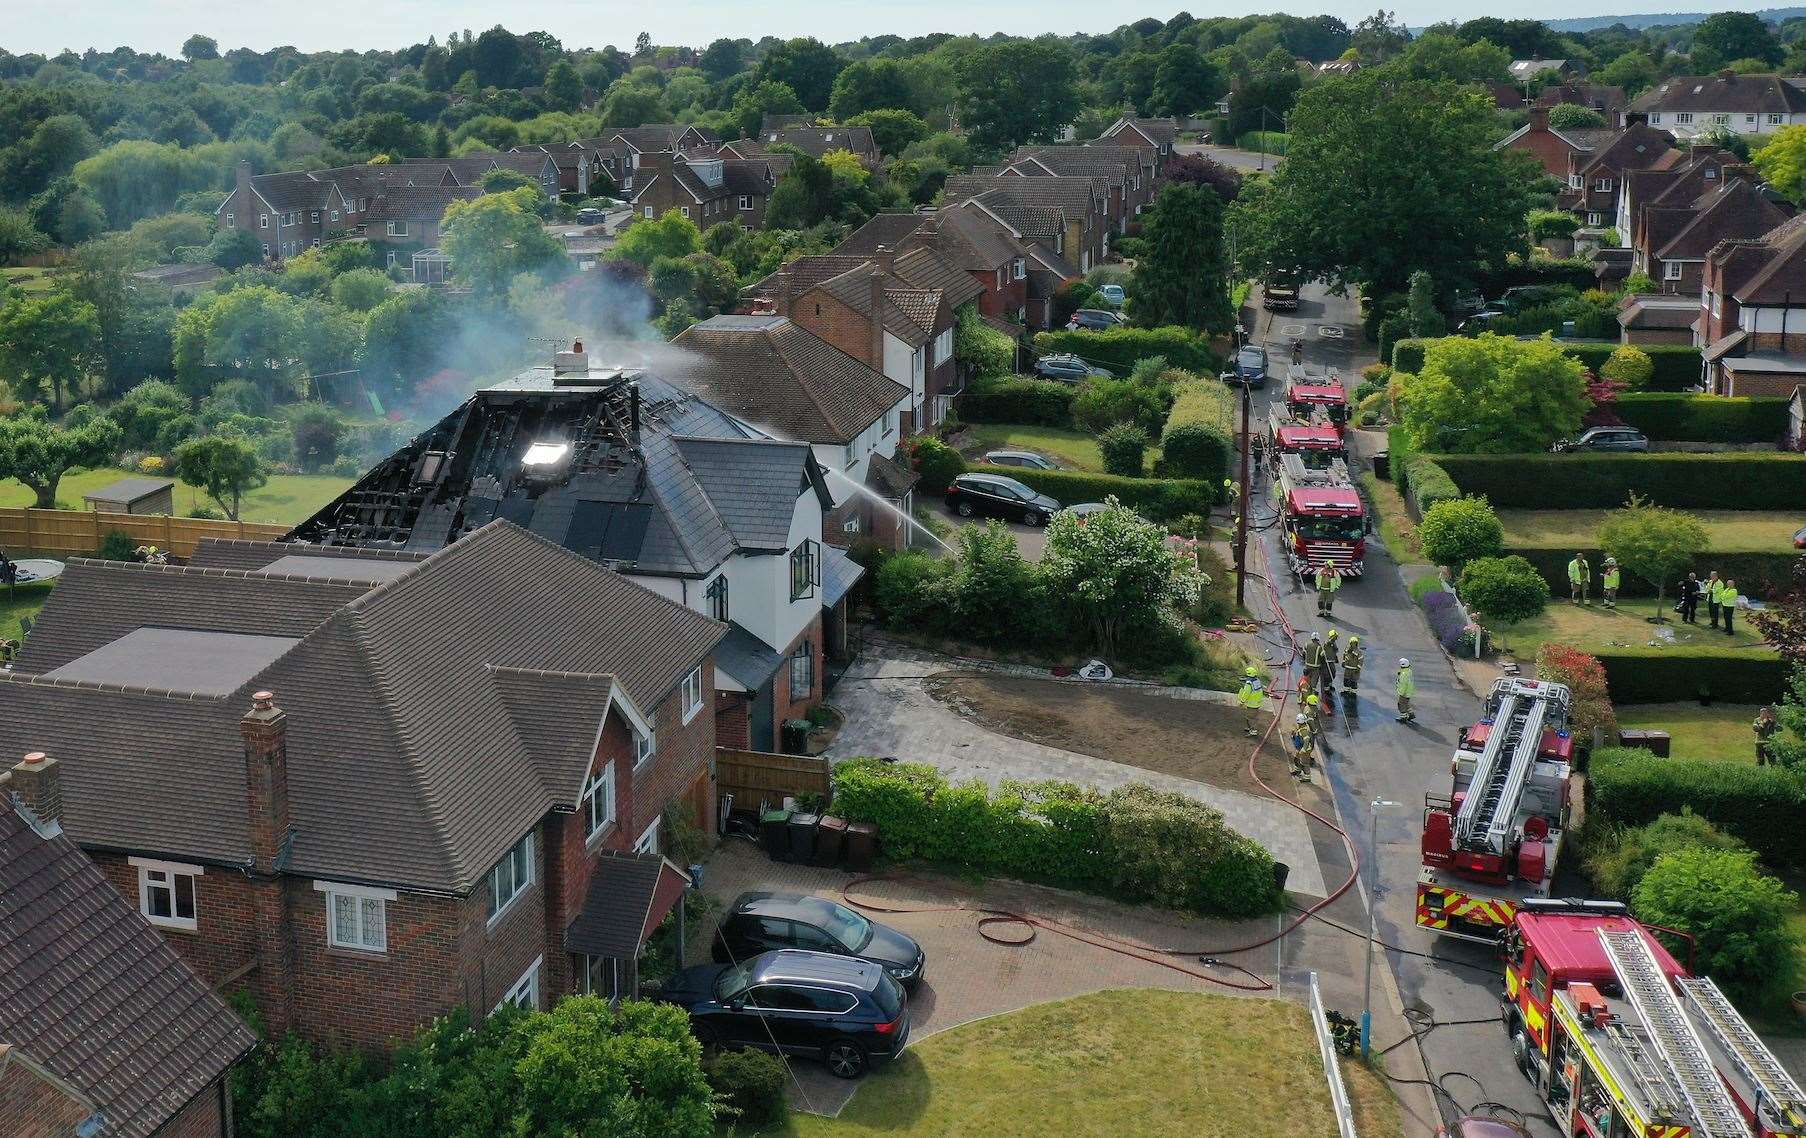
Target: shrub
1641,674
1738,915
1198,440
1629,365
1675,366
936,463
1588,683
1504,590
994,594
1552,223
1456,531
317,431
914,591
117,545
1119,349
1124,448
1447,621
751,1085
1407,356
1606,481
1427,485
1618,856
1102,403
1681,417
1160,499
1629,786
1042,402
1216,600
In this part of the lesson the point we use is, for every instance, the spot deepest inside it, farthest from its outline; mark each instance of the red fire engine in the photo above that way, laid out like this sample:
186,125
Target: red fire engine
1322,515
1308,396
1316,441
1495,836
1622,1042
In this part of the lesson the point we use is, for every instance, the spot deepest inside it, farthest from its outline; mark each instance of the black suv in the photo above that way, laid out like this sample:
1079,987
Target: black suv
999,497
844,1011
760,922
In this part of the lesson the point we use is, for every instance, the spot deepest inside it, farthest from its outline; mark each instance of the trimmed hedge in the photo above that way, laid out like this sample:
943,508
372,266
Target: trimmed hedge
1606,481
1119,349
1417,476
1757,574
1684,417
1680,674
1161,499
1576,272
1632,787
1676,365
1133,844
1017,399
1193,443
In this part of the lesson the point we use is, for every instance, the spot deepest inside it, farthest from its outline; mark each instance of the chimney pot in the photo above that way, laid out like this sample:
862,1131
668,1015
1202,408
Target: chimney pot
260,701
39,784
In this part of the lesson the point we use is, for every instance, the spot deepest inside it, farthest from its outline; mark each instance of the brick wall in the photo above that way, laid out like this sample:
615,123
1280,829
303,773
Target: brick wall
733,721
788,704
836,323
204,1116
32,1108
224,939
685,751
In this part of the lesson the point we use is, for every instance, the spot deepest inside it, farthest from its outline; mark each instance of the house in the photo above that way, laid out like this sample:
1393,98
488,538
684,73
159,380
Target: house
770,122
582,171
1082,202
1334,67
1707,199
1127,172
469,756
1657,318
1608,101
772,372
1507,96
1554,148
1041,233
1159,134
1563,70
634,143
967,239
1752,308
1595,177
104,1031
1746,104
708,190
625,468
816,141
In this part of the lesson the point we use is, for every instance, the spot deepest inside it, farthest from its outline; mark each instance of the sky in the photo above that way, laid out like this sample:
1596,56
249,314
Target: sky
316,25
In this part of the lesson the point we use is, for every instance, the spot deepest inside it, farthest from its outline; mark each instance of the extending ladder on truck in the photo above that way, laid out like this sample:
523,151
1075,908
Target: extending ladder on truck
1774,1087
1490,808
1682,1051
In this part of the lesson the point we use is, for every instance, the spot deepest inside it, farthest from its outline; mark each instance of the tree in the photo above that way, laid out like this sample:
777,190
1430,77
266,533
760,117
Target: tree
1384,178
1573,116
892,130
498,57
756,100
1493,395
1181,276
589,1068
1114,573
48,338
360,290
1459,530
18,236
1723,37
1016,91
628,105
564,90
1426,319
1630,366
804,197
722,60
642,44
1265,98
250,333
494,238
198,47
1185,82
1633,71
671,235
38,453
66,213
1123,447
1379,37
1738,915
1653,542
234,249
1782,161
1505,590
225,466
1224,181
872,85
806,65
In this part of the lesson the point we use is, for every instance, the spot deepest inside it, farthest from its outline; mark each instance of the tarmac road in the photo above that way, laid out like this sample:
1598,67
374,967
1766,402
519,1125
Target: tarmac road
1377,757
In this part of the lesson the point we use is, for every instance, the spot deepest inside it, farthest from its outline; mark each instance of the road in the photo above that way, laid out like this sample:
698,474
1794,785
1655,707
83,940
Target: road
1377,757
1229,155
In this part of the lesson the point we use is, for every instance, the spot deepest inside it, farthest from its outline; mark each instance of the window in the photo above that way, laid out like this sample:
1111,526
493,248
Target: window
999,278
746,229
1593,218
314,217
266,248
288,219
1774,120
1683,116
335,215
745,201
1720,120
802,669
525,992
1655,117
598,800
1539,982
851,525
1671,271
648,212
1573,181
601,977
231,221
1602,184
692,693
802,571
849,455
645,745
648,841
1021,269
717,596
398,229
685,209
890,421
1749,118
943,347
511,876
263,221
356,916
166,893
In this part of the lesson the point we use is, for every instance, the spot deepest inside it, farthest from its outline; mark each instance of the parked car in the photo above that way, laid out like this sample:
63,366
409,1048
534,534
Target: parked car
995,496
1605,438
1026,458
763,922
844,1011
1250,367
1467,303
1069,368
1093,320
1478,322
1112,295
590,215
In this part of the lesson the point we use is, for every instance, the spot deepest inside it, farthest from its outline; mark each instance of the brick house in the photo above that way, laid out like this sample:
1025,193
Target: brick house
1157,134
1082,202
1040,232
1555,149
633,145
103,1029
1595,178
1608,101
582,170
970,240
814,141
1747,104
1130,171
707,190
1712,200
1657,318
421,820
1753,313
624,467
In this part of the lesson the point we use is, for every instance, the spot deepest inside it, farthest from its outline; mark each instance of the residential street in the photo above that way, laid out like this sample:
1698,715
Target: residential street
1228,155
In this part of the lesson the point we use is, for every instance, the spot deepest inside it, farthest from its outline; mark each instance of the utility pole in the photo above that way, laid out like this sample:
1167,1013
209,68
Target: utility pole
1241,521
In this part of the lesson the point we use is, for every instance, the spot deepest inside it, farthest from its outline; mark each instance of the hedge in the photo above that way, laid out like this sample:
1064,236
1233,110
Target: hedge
1605,481
1641,674
1576,272
1676,365
1133,844
1016,399
1758,574
1418,477
1194,443
1161,499
1119,349
1633,787
1683,417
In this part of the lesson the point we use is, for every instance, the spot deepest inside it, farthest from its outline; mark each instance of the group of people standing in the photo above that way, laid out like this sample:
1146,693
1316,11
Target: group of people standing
1719,594
1321,660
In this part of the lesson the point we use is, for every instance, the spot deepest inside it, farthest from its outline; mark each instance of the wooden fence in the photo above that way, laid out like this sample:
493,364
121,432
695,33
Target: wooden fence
756,776
79,534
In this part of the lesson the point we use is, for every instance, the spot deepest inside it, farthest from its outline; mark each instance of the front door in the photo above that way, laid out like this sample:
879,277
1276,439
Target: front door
759,719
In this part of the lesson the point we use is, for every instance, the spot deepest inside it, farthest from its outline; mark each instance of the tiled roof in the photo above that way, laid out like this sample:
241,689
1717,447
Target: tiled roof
816,141
752,483
1160,130
769,371
1077,197
1737,209
908,314
418,203
628,895
890,478
925,267
1733,94
1031,221
92,993
1770,270
292,191
1637,147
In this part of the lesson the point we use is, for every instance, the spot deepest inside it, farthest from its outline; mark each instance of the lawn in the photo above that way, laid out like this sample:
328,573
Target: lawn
1074,450
1731,531
1595,626
1721,731
1128,1064
286,498
26,601
1395,525
29,280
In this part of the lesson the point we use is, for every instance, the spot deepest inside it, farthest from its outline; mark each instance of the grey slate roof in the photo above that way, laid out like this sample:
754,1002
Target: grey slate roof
753,485
89,990
236,553
627,897
130,490
839,573
1732,94
746,658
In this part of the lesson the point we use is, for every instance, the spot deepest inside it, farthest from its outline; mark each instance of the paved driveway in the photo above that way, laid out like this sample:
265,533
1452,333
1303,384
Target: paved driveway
1031,540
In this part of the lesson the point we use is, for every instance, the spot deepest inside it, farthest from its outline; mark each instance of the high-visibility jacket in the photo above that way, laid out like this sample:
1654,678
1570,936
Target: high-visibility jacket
1301,737
1313,655
1252,695
1611,577
1328,582
1579,571
1352,661
1406,685
1728,598
1715,592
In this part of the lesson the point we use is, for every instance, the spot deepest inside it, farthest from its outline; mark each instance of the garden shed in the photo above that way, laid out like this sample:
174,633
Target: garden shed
134,496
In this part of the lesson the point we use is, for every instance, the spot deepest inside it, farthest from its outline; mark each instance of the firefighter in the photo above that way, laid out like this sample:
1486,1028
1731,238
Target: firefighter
1329,579
1580,575
1765,728
1232,493
1712,590
1354,658
1406,687
1313,711
1326,675
1608,582
1313,661
1302,744
1251,698
1727,600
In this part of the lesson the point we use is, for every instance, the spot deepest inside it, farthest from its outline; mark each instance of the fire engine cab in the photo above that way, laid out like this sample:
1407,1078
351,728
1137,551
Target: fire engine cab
1322,515
1316,441
1622,1042
1495,837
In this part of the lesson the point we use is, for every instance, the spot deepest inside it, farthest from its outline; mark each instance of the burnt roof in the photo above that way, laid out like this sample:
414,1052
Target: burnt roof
92,993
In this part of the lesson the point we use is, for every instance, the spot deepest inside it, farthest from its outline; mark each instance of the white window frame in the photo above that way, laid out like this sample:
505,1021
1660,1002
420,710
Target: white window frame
524,992
648,214
335,215
1603,185
587,981
266,248
685,209
600,785
517,866
263,221
314,216
746,201
1683,117
647,842
1750,119
397,229
1593,219
231,221
692,693
169,871
1655,117
1721,119
1021,268
1671,270
645,746
335,892
1776,120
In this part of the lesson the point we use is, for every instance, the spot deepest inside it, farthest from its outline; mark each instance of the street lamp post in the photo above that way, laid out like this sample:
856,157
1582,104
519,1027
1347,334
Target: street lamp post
1373,828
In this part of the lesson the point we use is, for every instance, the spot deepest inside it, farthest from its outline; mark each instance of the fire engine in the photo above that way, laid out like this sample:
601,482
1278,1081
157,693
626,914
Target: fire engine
1621,1041
1309,395
1322,515
1316,441
1495,837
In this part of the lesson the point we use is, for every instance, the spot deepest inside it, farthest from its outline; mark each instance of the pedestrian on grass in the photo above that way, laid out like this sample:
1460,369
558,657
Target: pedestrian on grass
1329,579
1608,582
1765,728
1727,600
1406,687
1580,576
1354,658
1690,593
1714,593
1251,699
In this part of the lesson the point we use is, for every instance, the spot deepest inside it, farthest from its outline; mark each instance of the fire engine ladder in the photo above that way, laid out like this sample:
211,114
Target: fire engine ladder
1492,798
1714,1113
1747,1051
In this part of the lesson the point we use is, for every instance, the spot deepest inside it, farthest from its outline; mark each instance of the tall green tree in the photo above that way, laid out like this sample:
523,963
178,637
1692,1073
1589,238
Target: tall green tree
872,85
38,452
1654,543
494,238
807,66
722,60
1114,574
1185,82
804,197
758,99
671,235
18,236
225,466
1493,395
1426,319
892,130
198,47
1725,37
498,57
251,333
564,90
1017,91
48,339
1181,277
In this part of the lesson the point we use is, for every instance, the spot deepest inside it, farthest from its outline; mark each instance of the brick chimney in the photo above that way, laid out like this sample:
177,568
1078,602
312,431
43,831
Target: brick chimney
39,785
1539,118
244,185
882,260
265,731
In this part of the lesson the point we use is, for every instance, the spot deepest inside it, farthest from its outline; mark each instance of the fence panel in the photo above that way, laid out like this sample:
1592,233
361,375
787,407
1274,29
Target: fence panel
76,533
1332,1068
755,776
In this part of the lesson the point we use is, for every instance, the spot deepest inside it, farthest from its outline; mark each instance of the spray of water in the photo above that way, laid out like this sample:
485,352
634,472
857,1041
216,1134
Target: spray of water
889,507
